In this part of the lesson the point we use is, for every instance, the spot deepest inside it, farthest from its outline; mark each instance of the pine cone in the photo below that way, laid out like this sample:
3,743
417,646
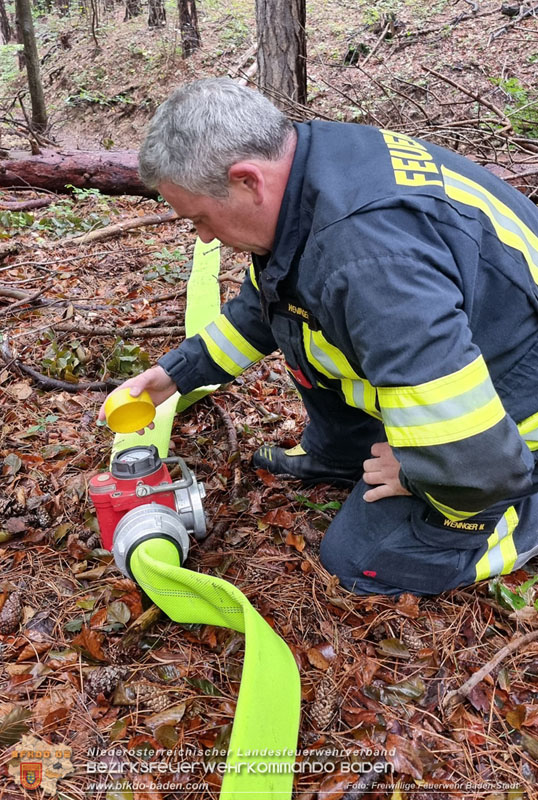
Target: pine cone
411,637
103,680
93,541
150,695
323,708
43,517
10,616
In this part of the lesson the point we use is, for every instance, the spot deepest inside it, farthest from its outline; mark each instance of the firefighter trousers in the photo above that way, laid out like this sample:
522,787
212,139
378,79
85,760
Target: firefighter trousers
400,544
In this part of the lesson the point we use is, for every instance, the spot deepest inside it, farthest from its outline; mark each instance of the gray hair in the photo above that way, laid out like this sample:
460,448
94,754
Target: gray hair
206,127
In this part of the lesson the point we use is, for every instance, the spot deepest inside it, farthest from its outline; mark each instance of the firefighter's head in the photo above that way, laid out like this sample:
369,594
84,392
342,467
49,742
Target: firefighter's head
220,154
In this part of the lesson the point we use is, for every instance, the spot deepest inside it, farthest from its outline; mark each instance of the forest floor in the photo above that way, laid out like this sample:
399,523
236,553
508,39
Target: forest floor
78,674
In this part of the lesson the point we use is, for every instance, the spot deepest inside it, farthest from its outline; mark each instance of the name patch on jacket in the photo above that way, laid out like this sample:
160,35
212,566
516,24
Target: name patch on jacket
291,309
411,162
476,524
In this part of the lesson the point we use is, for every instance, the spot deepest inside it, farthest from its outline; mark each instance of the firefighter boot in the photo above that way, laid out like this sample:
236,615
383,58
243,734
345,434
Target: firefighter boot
297,463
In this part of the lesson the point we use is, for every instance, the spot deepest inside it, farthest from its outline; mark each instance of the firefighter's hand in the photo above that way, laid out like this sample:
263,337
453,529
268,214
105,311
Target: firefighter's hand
382,471
155,381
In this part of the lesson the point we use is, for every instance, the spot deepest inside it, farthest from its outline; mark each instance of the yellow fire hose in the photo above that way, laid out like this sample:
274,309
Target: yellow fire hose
261,753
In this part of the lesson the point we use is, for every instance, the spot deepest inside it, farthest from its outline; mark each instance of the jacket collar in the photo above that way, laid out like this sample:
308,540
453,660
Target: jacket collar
292,228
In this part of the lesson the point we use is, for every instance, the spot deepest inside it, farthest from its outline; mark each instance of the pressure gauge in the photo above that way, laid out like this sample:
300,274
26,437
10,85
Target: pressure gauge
136,462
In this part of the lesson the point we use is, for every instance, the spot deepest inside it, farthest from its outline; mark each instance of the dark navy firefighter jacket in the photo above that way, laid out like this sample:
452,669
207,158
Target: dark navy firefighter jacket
404,277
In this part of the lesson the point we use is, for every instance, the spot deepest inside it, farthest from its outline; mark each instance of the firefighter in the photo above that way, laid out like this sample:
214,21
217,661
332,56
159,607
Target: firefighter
400,282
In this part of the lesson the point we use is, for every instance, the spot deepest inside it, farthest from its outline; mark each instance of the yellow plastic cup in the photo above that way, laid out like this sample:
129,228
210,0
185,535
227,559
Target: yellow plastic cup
127,414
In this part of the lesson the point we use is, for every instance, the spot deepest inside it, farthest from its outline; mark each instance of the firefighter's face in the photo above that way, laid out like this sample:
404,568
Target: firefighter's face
244,220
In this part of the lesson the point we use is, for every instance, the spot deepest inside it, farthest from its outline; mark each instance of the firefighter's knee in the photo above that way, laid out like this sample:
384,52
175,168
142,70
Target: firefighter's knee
380,548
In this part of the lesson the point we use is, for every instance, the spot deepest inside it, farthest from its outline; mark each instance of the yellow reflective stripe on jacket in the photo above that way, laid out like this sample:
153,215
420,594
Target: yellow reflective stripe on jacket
511,230
252,274
227,347
451,513
332,363
444,410
500,557
528,429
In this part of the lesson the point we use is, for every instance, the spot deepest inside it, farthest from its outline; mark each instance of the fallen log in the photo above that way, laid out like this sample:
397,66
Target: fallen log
27,205
112,172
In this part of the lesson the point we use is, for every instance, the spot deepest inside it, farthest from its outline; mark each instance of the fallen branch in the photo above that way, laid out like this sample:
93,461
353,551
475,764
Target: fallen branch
44,382
408,36
486,103
530,12
27,205
112,172
5,291
477,676
23,301
117,229
130,331
377,45
44,265
168,295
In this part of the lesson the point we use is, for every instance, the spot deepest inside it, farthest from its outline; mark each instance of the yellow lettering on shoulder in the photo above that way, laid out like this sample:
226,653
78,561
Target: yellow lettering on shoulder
399,139
409,151
414,166
414,179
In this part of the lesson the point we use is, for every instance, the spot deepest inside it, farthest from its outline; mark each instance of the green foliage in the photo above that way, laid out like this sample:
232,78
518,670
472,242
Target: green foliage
61,218
523,595
521,108
66,360
90,97
304,501
81,195
235,32
10,220
40,427
127,359
169,266
9,67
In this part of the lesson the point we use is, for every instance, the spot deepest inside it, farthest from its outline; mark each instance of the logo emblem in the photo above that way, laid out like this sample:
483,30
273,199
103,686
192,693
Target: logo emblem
31,774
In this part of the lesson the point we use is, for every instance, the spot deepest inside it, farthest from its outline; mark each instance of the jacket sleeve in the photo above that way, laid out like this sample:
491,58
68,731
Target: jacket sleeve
225,348
404,319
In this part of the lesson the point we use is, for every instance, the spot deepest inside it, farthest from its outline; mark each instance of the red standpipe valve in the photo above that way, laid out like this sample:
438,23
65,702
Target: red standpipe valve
139,477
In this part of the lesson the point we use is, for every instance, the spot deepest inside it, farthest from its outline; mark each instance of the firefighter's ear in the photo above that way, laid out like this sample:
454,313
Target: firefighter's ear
248,177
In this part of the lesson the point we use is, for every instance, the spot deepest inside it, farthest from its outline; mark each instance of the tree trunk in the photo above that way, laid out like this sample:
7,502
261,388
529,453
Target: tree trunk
133,8
39,112
188,25
282,51
5,27
111,172
20,54
156,14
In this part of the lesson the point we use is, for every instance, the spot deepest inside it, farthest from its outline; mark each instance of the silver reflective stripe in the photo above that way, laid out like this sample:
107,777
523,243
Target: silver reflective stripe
324,359
358,394
227,347
496,561
494,212
457,406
